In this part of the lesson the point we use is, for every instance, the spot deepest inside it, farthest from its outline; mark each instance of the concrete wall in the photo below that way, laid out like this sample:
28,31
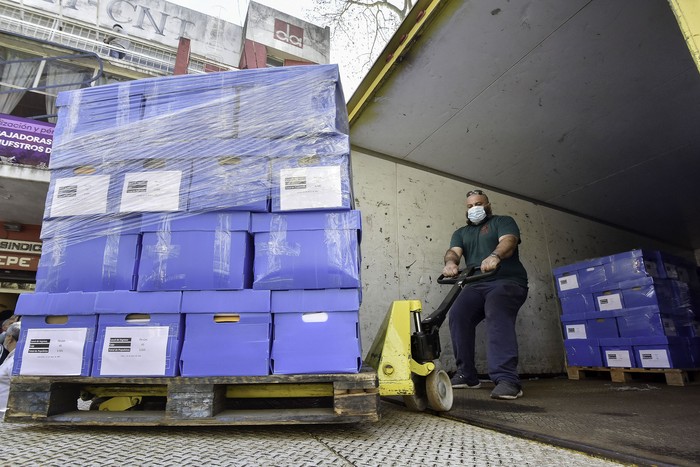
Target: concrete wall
408,218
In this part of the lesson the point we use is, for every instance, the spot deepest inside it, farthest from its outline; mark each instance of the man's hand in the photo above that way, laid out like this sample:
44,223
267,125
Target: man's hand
450,270
489,263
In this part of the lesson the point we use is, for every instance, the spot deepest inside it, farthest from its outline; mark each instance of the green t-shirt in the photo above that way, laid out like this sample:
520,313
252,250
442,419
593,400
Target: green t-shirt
478,241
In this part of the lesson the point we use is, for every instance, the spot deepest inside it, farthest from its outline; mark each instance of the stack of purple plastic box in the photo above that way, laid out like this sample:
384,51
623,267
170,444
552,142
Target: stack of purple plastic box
198,225
633,310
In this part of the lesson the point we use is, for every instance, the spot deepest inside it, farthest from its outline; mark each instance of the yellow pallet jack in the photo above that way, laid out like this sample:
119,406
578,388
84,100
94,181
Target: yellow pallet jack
407,363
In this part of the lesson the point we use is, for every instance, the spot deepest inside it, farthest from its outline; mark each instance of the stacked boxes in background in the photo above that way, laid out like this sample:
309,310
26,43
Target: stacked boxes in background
632,309
199,225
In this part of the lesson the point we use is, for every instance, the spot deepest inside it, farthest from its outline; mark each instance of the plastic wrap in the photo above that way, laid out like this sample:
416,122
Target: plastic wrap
173,198
186,147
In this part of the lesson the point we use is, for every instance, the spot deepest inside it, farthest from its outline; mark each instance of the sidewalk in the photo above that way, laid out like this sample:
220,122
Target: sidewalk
401,438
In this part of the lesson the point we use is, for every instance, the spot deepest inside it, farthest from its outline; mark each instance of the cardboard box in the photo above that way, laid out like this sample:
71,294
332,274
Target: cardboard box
663,352
311,174
227,333
138,334
583,352
633,265
307,250
57,334
89,254
581,276
316,331
617,353
206,251
652,321
575,303
231,176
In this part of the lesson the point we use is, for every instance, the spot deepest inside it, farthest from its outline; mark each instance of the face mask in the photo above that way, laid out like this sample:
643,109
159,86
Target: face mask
476,214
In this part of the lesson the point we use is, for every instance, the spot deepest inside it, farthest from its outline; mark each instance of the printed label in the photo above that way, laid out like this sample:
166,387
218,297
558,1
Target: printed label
134,350
576,331
610,302
618,358
73,196
568,282
310,188
151,191
50,351
655,358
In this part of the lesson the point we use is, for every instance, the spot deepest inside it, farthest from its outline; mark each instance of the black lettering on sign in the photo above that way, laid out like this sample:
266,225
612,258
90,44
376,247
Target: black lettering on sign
137,186
295,183
68,191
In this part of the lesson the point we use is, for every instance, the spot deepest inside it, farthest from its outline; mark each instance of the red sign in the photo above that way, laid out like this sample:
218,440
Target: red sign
289,33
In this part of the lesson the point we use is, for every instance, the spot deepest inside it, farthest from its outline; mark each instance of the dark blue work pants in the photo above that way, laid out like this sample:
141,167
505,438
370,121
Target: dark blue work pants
497,302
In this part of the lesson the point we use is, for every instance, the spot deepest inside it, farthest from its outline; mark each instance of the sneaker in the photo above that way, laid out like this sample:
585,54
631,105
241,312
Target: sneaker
506,390
460,381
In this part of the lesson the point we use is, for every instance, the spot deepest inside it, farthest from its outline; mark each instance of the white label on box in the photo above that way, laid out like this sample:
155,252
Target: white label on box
568,282
618,358
576,331
655,358
610,302
310,188
51,351
134,350
74,196
151,191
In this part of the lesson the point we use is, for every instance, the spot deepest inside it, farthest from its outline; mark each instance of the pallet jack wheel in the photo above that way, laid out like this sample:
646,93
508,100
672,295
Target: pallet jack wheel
438,389
418,401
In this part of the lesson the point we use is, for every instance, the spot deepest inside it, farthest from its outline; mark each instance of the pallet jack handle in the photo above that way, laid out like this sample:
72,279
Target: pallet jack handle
467,276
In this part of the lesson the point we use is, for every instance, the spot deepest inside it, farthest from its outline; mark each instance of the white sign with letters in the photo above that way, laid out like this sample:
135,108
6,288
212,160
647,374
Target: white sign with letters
310,188
51,351
134,350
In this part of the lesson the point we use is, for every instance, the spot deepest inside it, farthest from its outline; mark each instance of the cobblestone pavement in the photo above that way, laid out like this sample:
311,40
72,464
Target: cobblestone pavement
401,438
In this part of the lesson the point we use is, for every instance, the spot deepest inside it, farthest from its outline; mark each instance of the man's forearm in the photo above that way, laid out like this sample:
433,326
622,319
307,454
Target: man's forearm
452,257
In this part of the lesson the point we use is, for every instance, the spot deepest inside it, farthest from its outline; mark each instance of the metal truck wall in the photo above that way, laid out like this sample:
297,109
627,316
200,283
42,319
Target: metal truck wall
408,218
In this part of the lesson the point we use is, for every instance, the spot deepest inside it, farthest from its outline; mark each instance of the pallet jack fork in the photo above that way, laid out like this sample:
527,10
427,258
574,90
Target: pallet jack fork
407,363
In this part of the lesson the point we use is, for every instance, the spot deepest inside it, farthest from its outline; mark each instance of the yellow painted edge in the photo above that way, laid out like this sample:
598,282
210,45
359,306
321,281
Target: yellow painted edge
688,16
248,391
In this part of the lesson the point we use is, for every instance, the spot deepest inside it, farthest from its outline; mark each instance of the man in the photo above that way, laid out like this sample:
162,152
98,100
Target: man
118,44
487,242
10,343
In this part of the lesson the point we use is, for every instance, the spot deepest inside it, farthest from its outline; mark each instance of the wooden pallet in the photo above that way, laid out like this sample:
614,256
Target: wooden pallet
179,401
673,376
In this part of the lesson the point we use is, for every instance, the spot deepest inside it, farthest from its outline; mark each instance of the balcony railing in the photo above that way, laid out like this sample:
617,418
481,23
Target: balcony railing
142,55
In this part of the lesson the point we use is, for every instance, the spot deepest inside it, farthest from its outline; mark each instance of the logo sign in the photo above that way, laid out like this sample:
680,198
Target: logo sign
19,255
25,141
289,33
20,246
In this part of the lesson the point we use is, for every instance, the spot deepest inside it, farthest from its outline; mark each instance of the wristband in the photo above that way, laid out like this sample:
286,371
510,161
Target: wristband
496,255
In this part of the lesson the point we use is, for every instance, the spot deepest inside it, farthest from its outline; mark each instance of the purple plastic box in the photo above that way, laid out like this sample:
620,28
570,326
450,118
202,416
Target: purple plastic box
307,250
578,277
663,352
316,331
635,264
207,251
88,254
583,352
57,335
618,353
227,333
138,334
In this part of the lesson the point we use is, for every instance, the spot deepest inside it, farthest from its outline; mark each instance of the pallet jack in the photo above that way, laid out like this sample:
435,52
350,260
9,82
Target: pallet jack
407,363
